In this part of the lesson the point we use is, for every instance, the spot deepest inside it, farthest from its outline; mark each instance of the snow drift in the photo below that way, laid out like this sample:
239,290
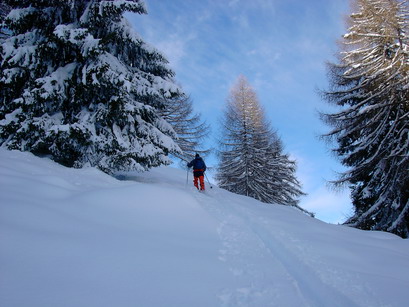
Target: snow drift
72,237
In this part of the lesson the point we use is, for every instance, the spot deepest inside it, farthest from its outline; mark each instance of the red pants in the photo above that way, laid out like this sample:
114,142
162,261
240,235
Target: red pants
196,181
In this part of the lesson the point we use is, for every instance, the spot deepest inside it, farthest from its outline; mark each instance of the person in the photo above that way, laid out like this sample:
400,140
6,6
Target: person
199,167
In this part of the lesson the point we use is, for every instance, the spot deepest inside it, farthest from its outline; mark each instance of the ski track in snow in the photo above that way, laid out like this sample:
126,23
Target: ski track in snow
236,252
303,287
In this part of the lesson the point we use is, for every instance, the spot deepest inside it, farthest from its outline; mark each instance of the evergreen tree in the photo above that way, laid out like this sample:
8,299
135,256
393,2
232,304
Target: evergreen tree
370,85
251,159
4,10
79,85
191,131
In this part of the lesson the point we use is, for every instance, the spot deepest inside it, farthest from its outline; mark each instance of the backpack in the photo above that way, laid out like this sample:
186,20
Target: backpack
199,164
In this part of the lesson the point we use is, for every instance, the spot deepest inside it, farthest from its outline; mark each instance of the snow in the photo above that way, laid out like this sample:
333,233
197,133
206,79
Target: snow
22,55
56,82
17,14
77,36
78,237
11,117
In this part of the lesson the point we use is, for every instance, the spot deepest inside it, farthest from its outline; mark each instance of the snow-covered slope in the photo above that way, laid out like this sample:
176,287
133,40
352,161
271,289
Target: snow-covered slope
82,238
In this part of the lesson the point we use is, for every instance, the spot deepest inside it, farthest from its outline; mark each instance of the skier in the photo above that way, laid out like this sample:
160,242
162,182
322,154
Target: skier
199,167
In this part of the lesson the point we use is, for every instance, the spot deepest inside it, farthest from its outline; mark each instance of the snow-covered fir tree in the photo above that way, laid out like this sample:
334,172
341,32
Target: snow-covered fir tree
4,10
191,131
79,85
251,159
370,86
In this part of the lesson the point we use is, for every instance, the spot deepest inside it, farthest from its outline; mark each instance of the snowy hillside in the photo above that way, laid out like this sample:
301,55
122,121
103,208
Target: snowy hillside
81,238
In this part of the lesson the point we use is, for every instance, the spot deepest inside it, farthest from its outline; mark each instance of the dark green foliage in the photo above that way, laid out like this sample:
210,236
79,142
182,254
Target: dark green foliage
79,85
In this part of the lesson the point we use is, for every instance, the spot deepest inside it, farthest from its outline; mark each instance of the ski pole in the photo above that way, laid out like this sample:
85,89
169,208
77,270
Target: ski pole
187,176
208,181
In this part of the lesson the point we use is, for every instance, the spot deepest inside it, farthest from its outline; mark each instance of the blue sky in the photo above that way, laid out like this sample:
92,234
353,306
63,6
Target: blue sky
281,46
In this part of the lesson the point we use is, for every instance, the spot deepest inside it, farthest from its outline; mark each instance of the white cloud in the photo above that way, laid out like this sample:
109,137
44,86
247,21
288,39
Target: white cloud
242,20
233,2
329,206
174,49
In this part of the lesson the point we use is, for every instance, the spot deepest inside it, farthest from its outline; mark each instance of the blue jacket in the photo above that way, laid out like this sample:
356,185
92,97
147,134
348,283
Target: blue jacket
198,164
